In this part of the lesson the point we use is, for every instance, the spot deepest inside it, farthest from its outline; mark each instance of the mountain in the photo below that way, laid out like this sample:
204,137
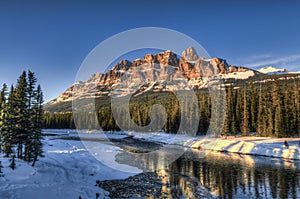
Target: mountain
161,72
273,70
294,72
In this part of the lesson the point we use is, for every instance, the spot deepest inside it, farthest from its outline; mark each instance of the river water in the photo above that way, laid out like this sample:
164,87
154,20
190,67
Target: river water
223,175
228,175
234,176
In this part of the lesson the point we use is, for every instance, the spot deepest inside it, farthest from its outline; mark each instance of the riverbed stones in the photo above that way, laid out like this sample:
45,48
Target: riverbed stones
150,185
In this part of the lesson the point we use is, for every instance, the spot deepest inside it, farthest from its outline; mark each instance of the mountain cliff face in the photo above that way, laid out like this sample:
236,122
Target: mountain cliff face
164,71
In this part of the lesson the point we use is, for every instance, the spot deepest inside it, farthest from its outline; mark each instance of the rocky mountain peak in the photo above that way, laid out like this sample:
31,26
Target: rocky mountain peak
167,58
137,62
149,58
190,55
122,65
159,70
220,65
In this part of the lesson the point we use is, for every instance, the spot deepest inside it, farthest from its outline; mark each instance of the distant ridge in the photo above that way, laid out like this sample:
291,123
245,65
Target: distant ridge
273,70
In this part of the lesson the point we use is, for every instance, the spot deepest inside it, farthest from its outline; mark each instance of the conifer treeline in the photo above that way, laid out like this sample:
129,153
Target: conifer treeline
21,118
270,108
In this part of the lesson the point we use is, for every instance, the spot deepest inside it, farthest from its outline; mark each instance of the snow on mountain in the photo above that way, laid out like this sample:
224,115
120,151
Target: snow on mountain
239,75
160,72
272,70
295,72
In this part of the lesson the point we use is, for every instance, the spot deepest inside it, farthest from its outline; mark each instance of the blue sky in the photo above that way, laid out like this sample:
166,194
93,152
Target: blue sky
52,38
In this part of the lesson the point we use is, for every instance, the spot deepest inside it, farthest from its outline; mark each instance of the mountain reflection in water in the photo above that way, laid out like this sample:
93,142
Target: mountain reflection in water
224,175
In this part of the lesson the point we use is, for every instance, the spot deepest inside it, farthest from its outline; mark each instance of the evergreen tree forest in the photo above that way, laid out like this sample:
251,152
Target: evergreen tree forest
266,107
21,119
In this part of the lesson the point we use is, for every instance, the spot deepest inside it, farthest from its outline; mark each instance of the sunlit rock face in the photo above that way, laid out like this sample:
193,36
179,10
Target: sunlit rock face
163,71
190,55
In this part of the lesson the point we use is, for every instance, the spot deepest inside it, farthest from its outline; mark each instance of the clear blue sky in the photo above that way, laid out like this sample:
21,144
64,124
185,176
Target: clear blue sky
53,37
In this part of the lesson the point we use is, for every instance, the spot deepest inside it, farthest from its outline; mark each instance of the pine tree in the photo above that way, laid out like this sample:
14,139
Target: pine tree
228,117
31,88
3,94
8,124
296,107
288,112
22,127
260,114
31,93
253,107
269,116
234,123
204,113
38,122
245,114
277,100
239,110
22,119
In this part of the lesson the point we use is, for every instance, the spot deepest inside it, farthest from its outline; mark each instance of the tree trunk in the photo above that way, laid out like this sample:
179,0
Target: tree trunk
34,161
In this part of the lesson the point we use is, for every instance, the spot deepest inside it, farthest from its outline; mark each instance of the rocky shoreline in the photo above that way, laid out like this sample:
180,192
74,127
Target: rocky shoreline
152,185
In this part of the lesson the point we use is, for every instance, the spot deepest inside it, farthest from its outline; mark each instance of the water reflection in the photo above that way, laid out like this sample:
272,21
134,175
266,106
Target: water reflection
226,175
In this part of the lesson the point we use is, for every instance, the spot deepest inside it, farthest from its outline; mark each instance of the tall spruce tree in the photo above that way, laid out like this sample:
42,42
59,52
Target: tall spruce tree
232,106
253,107
245,114
22,126
269,120
260,114
277,101
3,94
227,123
8,124
31,93
288,112
296,106
37,127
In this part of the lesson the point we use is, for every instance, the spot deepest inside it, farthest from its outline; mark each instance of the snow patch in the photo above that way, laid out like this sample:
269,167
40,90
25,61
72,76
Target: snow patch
239,75
272,70
271,147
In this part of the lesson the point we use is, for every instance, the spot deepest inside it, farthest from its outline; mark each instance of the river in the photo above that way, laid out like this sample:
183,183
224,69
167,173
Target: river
223,175
234,176
70,170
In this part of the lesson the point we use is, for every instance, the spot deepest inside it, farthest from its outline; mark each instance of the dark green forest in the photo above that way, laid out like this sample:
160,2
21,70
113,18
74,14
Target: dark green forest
267,107
21,119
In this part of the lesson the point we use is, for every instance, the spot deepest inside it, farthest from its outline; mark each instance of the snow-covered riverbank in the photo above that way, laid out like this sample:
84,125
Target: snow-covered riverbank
263,146
67,171
271,147
258,146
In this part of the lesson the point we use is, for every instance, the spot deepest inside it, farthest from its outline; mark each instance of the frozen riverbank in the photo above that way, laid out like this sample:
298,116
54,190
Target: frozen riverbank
67,171
270,147
258,146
